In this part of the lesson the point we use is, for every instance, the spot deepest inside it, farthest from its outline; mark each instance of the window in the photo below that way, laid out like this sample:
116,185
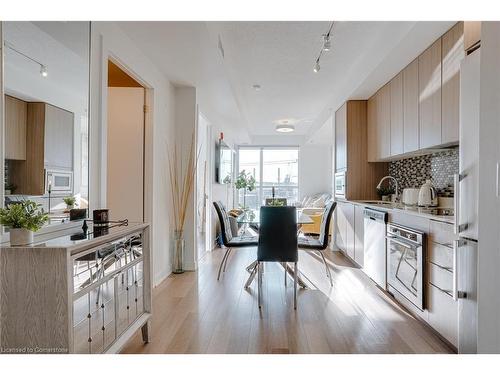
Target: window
276,167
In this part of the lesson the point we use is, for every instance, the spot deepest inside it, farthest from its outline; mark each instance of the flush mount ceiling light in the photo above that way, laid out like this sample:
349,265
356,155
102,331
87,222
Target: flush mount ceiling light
285,128
327,46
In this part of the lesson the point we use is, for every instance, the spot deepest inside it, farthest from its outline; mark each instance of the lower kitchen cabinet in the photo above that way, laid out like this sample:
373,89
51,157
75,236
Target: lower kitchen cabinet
443,313
359,226
349,236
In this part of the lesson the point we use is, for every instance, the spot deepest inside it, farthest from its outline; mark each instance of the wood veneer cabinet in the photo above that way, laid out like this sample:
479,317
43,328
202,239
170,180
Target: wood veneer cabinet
361,175
410,107
452,54
15,128
429,83
472,34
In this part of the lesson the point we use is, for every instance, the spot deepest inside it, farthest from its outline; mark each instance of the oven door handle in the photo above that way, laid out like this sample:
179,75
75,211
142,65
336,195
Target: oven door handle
403,242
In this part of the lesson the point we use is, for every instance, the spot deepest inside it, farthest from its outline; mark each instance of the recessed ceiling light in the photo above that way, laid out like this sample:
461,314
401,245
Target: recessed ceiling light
256,87
285,128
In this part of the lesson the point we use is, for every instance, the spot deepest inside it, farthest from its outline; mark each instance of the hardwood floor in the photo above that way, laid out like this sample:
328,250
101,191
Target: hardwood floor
194,313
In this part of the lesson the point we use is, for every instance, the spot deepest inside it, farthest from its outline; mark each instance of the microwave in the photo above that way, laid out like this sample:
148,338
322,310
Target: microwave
340,185
58,181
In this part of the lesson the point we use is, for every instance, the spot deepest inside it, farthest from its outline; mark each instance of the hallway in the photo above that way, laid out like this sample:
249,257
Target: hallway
193,313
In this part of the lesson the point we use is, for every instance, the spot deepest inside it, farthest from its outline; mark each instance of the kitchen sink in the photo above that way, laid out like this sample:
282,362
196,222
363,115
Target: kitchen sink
379,203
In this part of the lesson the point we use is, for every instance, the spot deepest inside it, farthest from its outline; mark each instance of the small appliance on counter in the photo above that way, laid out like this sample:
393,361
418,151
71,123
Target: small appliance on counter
427,196
410,196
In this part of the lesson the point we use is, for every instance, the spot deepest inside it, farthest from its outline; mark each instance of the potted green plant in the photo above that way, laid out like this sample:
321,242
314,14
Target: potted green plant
70,202
23,219
385,192
245,181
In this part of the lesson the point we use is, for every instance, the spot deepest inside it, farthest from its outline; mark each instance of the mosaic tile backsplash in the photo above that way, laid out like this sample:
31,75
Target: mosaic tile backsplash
438,167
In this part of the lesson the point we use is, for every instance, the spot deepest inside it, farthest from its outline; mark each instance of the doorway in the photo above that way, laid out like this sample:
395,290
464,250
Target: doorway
125,146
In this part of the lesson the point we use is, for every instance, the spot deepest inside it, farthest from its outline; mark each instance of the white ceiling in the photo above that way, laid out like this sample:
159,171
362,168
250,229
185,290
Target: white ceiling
280,56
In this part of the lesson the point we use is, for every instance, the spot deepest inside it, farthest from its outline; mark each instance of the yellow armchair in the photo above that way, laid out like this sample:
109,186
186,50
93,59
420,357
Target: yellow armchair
314,228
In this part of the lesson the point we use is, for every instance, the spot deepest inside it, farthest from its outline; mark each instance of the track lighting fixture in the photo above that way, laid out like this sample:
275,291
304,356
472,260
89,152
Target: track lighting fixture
327,46
43,68
317,67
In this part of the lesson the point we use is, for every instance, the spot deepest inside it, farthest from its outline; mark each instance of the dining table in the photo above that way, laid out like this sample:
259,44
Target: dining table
251,218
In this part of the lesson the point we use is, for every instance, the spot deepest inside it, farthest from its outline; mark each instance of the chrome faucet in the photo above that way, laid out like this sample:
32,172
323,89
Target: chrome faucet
395,181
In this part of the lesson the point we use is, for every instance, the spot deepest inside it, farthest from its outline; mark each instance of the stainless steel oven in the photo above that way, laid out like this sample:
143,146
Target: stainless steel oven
340,185
406,263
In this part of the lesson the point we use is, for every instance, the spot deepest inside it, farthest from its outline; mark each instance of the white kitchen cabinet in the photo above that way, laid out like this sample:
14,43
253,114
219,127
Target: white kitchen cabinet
345,237
359,225
453,54
429,83
397,126
410,107
59,126
349,214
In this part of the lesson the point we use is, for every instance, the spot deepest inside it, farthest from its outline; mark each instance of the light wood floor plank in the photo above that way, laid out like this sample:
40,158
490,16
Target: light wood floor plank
195,313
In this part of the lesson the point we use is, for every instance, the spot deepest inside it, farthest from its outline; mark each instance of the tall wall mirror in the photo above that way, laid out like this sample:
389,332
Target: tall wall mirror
46,120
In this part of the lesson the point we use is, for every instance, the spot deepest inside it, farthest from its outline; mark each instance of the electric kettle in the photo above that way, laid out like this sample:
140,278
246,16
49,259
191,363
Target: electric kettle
427,196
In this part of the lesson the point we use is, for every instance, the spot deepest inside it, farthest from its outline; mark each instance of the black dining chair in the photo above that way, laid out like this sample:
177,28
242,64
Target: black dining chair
277,242
321,243
228,239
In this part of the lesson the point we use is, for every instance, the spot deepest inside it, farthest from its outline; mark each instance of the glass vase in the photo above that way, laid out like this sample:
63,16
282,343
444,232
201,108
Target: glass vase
178,251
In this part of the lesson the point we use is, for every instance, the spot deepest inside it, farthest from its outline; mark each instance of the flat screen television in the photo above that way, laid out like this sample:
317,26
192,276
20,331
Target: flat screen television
223,163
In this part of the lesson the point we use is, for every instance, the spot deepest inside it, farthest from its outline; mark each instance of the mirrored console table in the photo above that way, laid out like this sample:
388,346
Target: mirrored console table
76,292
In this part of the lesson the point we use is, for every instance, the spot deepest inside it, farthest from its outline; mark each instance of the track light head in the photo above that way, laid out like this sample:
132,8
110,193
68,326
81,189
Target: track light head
317,67
43,71
327,44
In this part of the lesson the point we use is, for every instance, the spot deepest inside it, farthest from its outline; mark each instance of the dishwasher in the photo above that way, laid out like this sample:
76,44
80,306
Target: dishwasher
375,262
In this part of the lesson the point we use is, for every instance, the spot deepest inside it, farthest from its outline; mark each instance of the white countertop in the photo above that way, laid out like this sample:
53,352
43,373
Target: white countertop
410,210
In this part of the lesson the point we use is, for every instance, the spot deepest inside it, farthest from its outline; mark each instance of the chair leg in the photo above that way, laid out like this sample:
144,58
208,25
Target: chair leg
222,263
225,263
259,284
251,277
328,274
295,277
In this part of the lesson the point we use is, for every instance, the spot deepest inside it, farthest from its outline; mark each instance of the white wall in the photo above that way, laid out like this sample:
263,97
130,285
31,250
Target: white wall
109,40
315,169
185,129
489,202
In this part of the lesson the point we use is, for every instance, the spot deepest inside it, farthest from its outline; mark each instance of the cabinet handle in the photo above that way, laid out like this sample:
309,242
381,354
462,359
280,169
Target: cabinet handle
456,244
441,290
498,180
449,269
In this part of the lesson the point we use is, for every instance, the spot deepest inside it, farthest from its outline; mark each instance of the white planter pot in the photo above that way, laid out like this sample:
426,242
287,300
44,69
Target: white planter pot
20,236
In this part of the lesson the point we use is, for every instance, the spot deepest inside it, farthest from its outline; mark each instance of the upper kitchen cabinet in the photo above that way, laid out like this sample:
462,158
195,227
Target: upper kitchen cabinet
379,124
341,138
472,35
15,128
429,83
384,122
58,138
397,126
410,107
49,146
372,129
351,150
453,53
